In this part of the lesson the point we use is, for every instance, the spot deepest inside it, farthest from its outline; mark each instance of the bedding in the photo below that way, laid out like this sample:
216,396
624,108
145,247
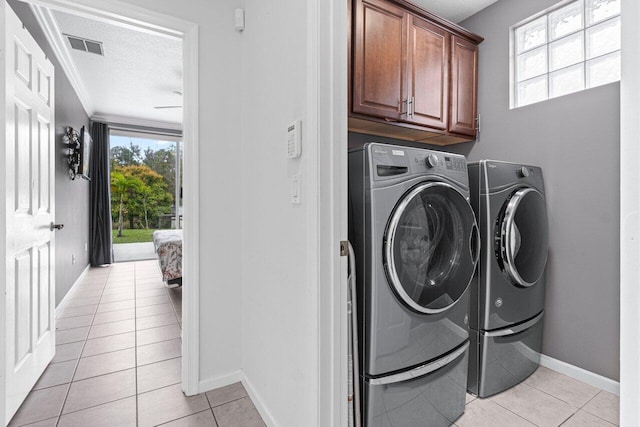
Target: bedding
168,245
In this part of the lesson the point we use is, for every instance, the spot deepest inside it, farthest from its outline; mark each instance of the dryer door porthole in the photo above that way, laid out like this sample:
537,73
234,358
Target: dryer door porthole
430,247
523,239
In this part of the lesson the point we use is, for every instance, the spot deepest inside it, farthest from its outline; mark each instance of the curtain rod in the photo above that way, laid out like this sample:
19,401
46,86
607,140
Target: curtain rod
144,129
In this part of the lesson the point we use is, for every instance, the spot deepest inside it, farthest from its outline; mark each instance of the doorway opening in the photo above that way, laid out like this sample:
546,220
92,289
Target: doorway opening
146,192
185,32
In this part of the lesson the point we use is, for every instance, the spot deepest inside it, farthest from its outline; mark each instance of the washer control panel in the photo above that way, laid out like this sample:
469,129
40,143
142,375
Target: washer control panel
390,161
442,161
455,163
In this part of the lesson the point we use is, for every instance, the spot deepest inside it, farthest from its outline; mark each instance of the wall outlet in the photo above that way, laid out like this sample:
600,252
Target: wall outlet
73,258
86,247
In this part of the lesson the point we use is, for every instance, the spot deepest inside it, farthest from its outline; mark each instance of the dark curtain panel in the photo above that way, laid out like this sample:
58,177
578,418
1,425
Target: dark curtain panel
100,221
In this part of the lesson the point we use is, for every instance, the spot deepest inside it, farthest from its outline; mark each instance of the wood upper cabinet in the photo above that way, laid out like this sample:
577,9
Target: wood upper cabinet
379,63
429,74
464,87
413,74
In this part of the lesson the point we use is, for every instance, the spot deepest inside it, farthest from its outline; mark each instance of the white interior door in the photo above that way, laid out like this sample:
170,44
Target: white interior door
28,181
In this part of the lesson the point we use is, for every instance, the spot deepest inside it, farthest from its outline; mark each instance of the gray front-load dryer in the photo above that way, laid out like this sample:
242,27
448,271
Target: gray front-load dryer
507,302
416,243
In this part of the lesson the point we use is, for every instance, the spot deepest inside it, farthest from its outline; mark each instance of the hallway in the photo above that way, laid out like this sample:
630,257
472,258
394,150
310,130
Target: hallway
118,360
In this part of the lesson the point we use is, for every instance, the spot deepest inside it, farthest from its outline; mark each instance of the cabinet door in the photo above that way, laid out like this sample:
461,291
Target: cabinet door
379,69
464,86
428,73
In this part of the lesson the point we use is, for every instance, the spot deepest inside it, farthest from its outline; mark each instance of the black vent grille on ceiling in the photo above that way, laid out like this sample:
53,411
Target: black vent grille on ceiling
78,43
93,47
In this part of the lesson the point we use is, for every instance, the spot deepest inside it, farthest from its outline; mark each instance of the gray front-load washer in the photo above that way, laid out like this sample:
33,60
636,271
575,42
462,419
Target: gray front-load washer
416,244
507,293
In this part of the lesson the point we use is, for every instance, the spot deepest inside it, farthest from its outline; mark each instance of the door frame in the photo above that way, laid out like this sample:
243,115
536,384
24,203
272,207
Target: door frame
629,217
141,19
327,103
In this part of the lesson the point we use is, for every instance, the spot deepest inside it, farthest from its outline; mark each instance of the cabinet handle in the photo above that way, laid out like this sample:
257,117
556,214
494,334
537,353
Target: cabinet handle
405,112
411,106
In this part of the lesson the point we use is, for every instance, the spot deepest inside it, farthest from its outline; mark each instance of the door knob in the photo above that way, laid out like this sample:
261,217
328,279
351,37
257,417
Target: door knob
53,226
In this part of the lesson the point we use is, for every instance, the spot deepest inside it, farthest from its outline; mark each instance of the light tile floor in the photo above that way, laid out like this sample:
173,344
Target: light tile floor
546,398
118,360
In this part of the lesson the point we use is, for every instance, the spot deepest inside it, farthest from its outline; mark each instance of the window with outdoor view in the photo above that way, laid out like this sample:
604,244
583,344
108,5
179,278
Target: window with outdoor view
572,47
146,183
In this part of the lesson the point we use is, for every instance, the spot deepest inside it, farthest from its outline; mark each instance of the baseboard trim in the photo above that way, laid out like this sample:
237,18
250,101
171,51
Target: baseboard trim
220,381
580,374
72,288
258,402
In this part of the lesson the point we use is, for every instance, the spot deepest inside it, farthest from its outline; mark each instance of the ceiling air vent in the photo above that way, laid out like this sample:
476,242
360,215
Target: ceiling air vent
79,43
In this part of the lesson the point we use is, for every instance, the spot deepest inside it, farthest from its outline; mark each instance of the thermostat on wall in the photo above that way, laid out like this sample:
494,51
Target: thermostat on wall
294,148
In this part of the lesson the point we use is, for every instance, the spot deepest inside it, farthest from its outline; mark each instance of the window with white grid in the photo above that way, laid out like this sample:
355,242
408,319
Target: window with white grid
572,47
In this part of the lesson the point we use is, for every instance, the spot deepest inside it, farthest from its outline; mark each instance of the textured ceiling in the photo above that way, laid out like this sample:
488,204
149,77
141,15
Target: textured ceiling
137,72
454,10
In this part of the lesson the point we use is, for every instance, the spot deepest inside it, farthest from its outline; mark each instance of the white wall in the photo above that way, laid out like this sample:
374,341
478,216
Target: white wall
220,179
630,217
259,301
279,302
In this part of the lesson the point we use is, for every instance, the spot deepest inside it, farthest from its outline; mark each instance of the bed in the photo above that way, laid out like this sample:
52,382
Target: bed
168,245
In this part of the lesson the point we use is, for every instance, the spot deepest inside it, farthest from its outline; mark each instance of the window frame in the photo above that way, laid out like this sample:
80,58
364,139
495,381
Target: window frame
514,54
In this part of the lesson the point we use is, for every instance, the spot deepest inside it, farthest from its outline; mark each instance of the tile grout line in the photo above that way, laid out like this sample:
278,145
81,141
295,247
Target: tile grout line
576,409
597,416
114,321
81,351
175,313
135,339
588,401
231,401
119,333
186,416
215,420
95,406
111,311
515,413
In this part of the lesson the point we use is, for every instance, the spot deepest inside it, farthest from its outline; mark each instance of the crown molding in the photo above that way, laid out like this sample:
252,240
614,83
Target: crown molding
121,14
52,32
113,119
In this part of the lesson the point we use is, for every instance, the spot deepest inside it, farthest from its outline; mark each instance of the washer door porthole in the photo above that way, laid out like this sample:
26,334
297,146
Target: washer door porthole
429,247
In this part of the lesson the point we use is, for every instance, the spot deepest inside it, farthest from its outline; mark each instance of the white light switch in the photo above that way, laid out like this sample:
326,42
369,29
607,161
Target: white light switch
295,190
